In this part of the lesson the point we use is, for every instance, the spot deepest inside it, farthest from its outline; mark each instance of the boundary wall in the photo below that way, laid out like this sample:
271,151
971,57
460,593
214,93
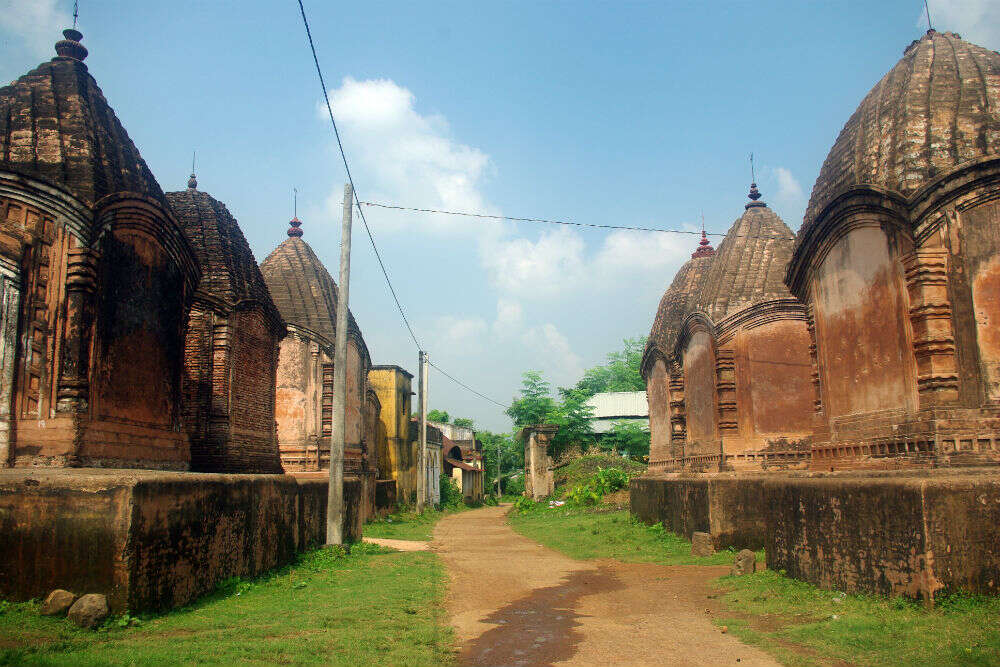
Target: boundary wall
913,533
154,540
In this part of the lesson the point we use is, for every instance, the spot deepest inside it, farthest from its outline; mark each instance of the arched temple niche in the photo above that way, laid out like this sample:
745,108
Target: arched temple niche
697,349
96,274
896,262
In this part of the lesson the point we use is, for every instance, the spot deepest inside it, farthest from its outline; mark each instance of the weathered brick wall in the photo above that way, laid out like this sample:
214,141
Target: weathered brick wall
680,504
699,395
912,533
253,445
153,540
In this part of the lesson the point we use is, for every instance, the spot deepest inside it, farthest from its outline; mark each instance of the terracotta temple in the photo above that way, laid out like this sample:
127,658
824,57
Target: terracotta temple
306,296
727,361
898,265
95,274
231,349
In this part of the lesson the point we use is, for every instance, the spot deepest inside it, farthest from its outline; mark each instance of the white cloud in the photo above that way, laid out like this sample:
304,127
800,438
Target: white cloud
36,23
789,189
554,351
977,21
461,335
510,317
405,157
558,262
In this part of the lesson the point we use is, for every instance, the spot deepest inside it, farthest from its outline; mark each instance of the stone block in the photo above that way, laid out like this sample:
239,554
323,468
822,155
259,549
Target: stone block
58,603
745,563
701,544
89,611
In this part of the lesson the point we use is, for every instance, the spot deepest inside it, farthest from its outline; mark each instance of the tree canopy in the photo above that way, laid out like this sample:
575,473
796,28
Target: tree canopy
620,373
439,416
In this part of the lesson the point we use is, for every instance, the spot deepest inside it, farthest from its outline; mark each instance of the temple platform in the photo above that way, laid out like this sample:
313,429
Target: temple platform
153,540
917,533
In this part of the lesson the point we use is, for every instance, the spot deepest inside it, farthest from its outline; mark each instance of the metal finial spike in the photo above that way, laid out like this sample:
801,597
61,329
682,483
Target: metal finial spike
927,9
753,172
295,202
194,154
76,12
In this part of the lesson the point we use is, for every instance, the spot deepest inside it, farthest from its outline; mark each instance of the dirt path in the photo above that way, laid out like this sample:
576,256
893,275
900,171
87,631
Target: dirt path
514,602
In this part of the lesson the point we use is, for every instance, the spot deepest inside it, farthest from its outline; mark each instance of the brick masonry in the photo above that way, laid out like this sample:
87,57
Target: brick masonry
142,537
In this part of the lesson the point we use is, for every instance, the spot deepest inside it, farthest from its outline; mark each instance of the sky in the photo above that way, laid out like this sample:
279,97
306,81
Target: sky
625,113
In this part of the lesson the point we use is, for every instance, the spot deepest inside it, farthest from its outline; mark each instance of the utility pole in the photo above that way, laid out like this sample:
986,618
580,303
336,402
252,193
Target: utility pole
423,491
335,496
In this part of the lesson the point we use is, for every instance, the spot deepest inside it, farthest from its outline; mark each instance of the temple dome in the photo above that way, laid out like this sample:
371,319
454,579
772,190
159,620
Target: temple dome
229,270
56,126
938,108
302,288
749,266
675,305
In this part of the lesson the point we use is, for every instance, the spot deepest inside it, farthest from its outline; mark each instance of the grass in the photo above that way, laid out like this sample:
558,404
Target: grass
861,629
408,525
371,607
597,533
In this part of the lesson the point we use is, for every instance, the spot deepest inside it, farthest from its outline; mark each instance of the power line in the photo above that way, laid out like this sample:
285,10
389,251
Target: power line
460,383
347,169
501,218
378,256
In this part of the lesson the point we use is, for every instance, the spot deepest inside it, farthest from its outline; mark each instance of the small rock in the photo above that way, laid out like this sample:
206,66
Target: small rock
746,563
701,544
724,629
89,610
58,603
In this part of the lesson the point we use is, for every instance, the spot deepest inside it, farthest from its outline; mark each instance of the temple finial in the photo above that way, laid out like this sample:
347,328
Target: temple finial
69,47
295,223
705,248
193,182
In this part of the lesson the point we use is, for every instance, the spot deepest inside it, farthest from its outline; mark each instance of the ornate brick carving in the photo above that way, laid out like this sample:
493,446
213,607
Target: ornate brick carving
930,315
725,388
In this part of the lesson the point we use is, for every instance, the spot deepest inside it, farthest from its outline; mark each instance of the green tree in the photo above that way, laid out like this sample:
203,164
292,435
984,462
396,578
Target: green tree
535,406
573,417
439,416
620,373
627,437
463,422
501,452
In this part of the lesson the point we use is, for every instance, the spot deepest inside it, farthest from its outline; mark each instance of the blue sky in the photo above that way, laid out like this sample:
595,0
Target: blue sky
611,113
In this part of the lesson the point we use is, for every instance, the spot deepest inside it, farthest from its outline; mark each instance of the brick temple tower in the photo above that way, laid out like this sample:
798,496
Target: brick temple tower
898,263
727,362
306,296
96,279
231,350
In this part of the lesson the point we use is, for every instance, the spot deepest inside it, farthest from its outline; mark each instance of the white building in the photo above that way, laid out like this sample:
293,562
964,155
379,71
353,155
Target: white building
618,406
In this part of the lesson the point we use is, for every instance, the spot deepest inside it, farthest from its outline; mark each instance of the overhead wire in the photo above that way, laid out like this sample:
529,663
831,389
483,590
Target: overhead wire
350,179
371,238
501,218
462,384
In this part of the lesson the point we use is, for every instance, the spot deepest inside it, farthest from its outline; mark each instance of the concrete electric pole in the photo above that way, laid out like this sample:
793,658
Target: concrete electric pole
422,490
335,497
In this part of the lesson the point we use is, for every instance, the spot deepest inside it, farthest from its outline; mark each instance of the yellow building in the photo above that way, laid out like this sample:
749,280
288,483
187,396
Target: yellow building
396,454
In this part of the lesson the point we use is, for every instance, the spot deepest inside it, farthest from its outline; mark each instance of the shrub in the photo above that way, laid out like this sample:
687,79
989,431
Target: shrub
524,504
451,496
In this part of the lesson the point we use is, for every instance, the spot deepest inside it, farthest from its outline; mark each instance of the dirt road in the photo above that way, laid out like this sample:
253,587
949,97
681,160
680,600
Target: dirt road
514,602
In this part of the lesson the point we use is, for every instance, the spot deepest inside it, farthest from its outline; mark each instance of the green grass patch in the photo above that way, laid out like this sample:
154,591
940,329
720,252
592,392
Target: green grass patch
595,533
861,629
408,525
369,607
